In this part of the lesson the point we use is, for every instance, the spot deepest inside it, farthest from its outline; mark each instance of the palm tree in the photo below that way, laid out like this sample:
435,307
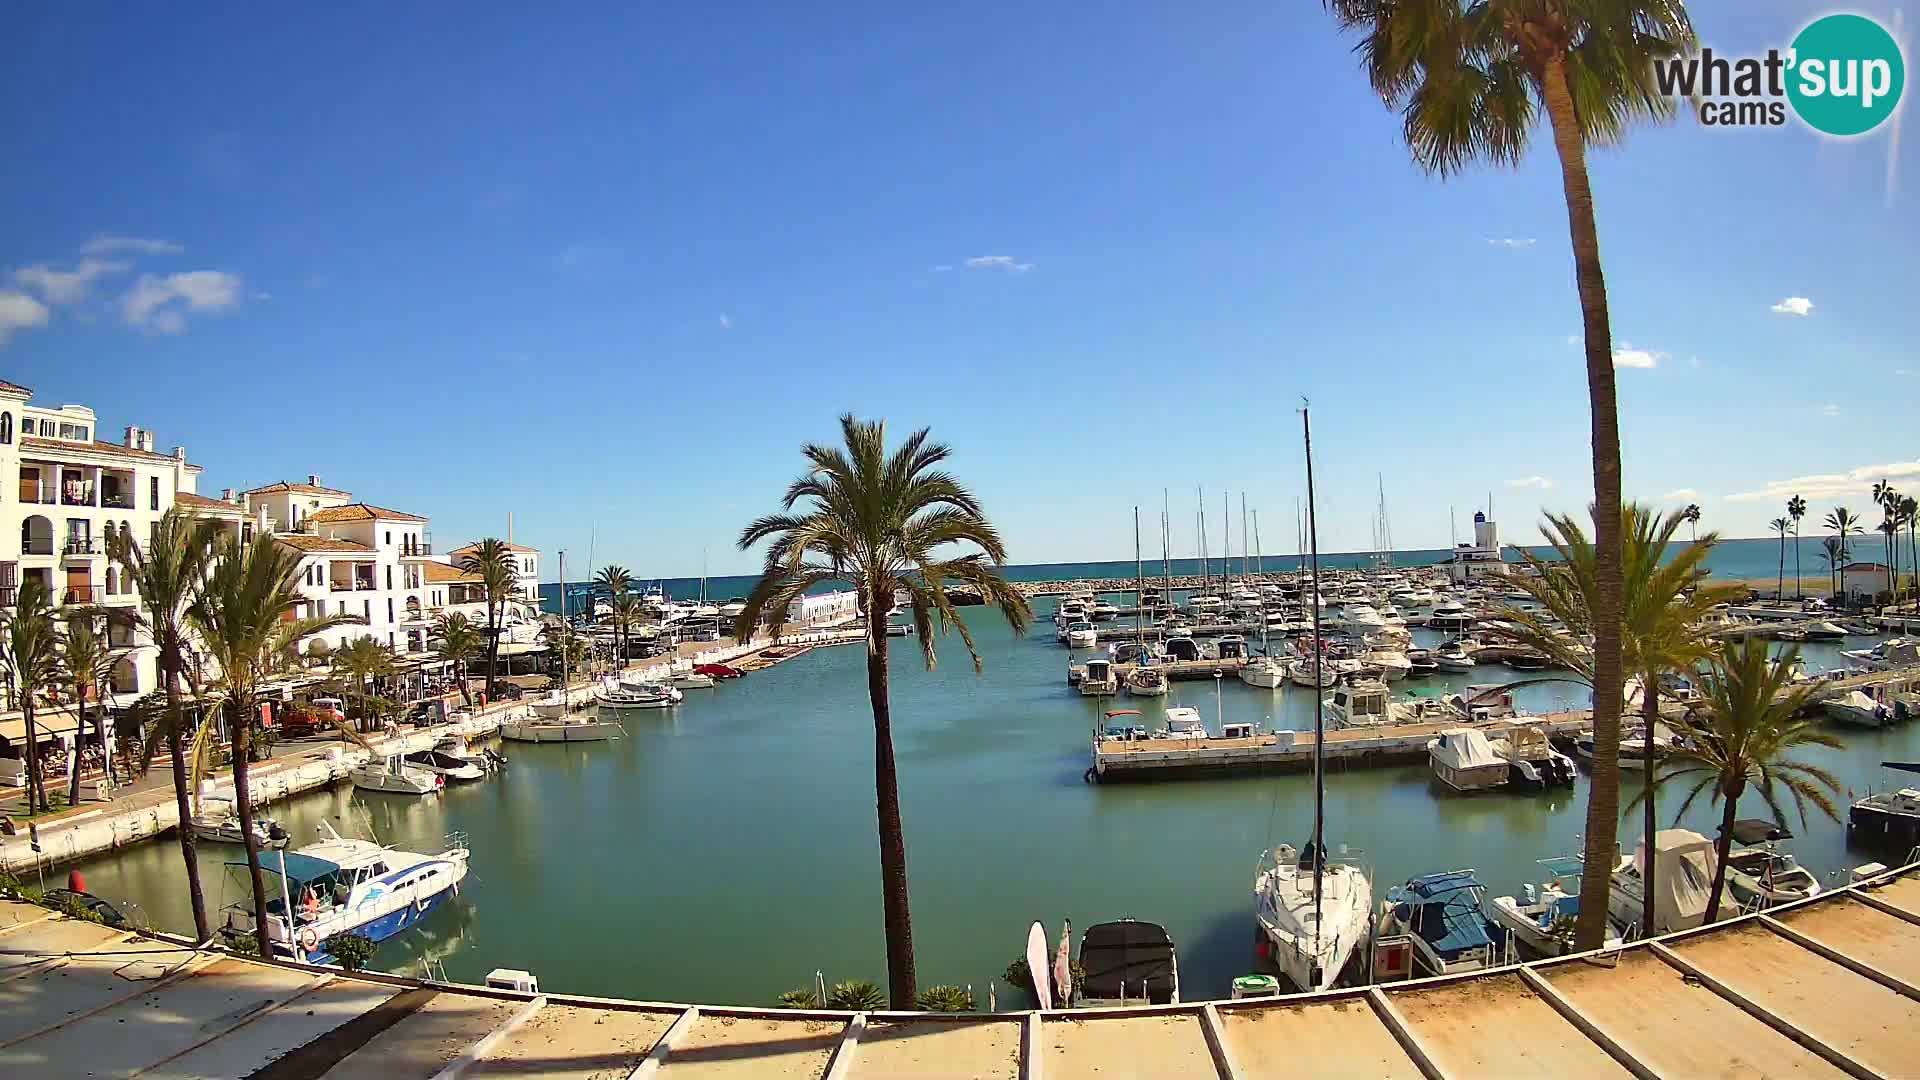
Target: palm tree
87,660
1796,509
1666,604
1910,513
1888,500
1470,80
1843,524
614,579
1692,517
1741,737
883,523
30,662
459,641
164,576
243,614
1781,525
492,562
626,619
1834,554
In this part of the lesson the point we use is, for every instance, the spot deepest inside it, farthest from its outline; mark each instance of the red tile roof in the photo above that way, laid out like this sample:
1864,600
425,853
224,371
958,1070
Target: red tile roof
304,489
190,501
509,547
361,512
28,442
14,387
304,542
440,573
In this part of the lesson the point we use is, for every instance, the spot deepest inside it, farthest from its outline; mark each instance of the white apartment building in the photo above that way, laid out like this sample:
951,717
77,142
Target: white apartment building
71,491
526,563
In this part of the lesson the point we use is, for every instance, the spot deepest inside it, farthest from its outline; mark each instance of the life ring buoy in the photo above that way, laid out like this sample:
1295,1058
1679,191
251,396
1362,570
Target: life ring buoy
309,940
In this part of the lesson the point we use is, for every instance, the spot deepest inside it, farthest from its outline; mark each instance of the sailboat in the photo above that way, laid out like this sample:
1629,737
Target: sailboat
1313,910
1266,670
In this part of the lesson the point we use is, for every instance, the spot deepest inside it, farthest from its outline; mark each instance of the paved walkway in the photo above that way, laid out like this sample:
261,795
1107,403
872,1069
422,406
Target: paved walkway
1827,988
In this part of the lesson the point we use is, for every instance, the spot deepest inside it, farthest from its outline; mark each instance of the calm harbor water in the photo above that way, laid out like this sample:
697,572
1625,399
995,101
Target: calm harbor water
725,850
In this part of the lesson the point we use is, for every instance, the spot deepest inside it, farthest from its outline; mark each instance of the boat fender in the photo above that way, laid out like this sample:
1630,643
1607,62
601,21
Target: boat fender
309,940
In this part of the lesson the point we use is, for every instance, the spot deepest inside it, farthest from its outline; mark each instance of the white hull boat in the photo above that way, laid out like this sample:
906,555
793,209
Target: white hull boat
690,680
222,826
1266,672
1310,952
536,730
1542,918
446,765
619,697
1683,879
1464,760
1146,682
395,777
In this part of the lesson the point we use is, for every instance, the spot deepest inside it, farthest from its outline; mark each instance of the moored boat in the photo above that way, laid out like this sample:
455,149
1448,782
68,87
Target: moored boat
1463,759
1441,914
1146,681
394,776
1128,962
1541,919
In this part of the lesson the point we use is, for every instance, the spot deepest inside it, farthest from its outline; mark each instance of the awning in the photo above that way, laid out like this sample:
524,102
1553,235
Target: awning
46,723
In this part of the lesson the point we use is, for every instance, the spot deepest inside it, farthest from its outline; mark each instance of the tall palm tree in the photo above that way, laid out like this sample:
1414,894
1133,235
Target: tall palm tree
1910,513
1834,554
492,562
164,575
1666,604
1781,525
30,662
87,659
1843,524
887,524
1741,737
243,615
1796,509
1692,516
458,642
626,619
615,581
1888,500
1470,81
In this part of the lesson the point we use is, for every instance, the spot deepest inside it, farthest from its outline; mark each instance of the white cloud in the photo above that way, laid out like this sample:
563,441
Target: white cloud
18,311
68,286
104,244
1539,483
1575,340
1680,495
1829,410
1510,242
159,303
1626,356
1830,485
726,322
998,262
1794,305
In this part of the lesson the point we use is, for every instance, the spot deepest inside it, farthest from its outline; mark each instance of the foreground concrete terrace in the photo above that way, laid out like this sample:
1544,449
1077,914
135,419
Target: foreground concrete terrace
1826,988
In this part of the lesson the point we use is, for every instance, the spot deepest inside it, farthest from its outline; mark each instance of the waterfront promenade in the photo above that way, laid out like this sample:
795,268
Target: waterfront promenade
1828,988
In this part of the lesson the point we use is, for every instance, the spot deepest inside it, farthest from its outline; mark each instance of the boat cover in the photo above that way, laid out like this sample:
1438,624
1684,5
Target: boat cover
1683,877
1467,748
1444,909
1136,953
300,868
1758,831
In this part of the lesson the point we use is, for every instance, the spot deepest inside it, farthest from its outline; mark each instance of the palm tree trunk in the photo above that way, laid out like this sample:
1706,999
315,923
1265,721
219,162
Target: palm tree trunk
182,803
901,990
73,759
1720,849
36,787
243,806
1649,715
493,646
1603,797
1780,583
1796,562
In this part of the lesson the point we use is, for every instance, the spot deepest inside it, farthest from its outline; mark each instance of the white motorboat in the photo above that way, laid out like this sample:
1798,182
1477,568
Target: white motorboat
456,746
1100,679
1081,635
1532,762
1683,881
1857,709
1759,875
569,729
1392,663
1302,672
620,695
694,680
219,823
1633,747
1464,760
1824,630
1183,722
1449,616
1357,704
346,886
1453,657
1266,672
445,765
1542,918
1440,914
1146,681
557,705
1102,611
1891,653
395,777
1311,947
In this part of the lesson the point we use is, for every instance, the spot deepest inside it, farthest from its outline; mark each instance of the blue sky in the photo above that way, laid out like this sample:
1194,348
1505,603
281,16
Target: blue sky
606,268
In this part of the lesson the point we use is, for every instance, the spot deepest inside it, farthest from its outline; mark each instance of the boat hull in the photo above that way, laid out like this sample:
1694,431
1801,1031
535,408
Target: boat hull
391,924
585,731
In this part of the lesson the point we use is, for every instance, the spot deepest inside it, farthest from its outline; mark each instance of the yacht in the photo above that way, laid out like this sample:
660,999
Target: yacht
1103,611
1264,671
1099,680
1420,663
1127,963
1449,616
394,776
1358,703
1683,880
1311,946
1463,759
1183,722
1453,657
1181,648
1440,914
1888,819
1146,681
1393,664
1081,635
1532,762
445,765
1542,918
1230,647
1759,875
346,886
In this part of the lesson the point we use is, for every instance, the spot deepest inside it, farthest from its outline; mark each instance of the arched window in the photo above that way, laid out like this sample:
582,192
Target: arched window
6,427
113,582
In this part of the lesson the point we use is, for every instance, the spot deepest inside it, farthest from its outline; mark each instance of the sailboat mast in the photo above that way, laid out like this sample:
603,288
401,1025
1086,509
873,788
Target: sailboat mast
1319,728
1200,531
563,625
1246,552
1226,541
1264,647
1139,582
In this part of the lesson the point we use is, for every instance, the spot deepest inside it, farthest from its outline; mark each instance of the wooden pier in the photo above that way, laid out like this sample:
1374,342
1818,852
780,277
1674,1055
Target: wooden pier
1292,751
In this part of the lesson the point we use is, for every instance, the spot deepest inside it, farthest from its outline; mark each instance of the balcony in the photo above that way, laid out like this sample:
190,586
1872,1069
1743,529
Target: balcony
76,495
357,586
81,546
80,594
31,492
117,501
9,596
420,550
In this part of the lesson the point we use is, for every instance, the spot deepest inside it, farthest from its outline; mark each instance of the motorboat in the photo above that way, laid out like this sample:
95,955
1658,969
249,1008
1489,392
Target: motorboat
1420,663
1099,680
219,822
445,765
1103,611
1542,918
1230,647
1441,914
394,776
1303,673
1449,616
557,705
1464,760
621,695
1128,963
1453,658
533,728
1182,648
1856,708
1183,722
1824,630
1633,747
1146,681
1888,819
691,680
346,886
1480,704
1081,635
1532,762
1891,653
1311,946
1759,874
1392,664
1359,703
718,671
1683,863
1528,660
456,746
1264,671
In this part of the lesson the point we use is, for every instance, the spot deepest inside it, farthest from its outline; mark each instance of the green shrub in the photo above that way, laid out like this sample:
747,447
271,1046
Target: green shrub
803,998
351,951
1018,977
856,995
75,908
946,999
